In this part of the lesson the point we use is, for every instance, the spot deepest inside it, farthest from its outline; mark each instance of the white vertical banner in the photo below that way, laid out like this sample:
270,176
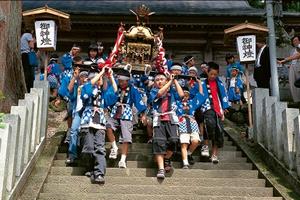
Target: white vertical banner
46,34
246,46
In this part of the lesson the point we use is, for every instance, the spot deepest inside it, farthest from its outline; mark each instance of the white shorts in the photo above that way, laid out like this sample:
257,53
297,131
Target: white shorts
186,138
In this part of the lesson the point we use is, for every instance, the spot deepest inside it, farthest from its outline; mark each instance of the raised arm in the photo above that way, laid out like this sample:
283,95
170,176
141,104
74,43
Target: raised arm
72,82
112,80
97,77
162,91
200,86
178,88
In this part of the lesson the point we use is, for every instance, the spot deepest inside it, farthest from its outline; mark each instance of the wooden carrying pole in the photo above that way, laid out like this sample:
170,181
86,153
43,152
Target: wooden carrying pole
248,96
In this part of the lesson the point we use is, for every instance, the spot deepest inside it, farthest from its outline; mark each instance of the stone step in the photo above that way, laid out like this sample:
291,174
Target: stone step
158,190
177,173
148,148
145,145
97,196
178,158
137,156
197,165
204,182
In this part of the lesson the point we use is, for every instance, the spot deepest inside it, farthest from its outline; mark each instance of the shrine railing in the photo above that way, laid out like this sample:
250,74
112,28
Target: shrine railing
277,129
22,138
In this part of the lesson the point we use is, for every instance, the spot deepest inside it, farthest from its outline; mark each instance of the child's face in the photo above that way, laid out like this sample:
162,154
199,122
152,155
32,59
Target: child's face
93,53
234,72
176,71
191,62
123,83
231,60
75,51
192,73
213,74
83,79
204,68
160,81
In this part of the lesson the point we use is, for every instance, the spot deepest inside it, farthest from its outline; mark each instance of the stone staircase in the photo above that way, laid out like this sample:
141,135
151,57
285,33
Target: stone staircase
233,178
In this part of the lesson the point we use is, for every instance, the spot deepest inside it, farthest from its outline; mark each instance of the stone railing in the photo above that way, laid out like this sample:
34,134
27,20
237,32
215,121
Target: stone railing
277,129
22,139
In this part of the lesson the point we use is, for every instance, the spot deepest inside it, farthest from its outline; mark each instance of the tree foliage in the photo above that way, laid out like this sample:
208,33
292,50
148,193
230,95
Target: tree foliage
287,5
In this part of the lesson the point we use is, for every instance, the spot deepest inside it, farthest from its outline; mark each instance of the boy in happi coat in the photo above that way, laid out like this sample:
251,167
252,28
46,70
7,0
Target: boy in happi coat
93,122
165,120
213,109
121,115
188,126
235,87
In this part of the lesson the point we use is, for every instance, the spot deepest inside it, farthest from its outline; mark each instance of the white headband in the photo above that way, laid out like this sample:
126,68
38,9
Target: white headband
124,78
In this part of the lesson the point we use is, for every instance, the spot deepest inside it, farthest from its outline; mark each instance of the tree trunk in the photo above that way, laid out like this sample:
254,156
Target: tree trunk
12,81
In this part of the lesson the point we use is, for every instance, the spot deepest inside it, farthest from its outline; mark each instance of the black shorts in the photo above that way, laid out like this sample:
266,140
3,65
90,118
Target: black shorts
199,116
165,137
214,128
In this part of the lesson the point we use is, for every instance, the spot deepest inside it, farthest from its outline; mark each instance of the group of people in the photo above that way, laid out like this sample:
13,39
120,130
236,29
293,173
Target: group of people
178,114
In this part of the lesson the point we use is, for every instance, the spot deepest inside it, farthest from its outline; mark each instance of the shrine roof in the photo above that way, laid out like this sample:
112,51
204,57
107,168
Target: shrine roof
115,7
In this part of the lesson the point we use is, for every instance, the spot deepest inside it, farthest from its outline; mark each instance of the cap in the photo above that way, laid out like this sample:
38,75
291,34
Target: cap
176,67
193,69
234,68
75,46
83,73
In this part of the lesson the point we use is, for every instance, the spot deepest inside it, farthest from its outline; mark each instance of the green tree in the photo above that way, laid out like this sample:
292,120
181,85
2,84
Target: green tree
287,5
12,81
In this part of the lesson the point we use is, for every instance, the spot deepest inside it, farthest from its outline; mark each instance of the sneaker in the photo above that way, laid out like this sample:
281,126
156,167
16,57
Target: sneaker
99,180
70,162
88,174
205,151
113,153
191,159
185,167
168,166
160,174
122,164
214,159
67,139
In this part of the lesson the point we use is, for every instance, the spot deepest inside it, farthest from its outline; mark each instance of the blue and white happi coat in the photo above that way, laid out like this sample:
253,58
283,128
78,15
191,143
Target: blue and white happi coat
156,108
222,94
132,96
94,102
233,84
193,105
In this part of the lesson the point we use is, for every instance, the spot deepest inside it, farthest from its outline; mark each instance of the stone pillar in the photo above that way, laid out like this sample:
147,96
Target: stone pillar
35,99
30,109
277,109
45,86
267,121
21,111
39,92
14,122
258,95
5,139
297,143
288,139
